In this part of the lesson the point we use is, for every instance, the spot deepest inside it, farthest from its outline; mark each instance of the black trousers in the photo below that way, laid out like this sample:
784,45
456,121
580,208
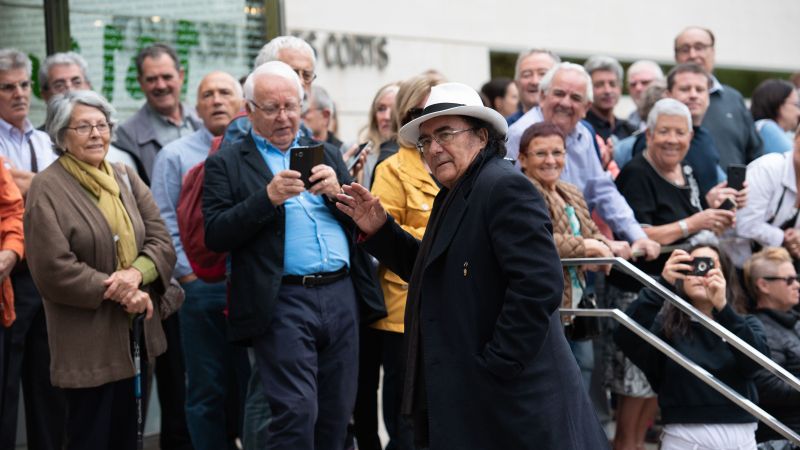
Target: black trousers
26,359
105,417
170,373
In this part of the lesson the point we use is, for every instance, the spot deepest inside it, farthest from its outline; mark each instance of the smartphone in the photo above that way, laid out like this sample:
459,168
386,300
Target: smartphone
736,176
354,158
701,265
302,159
727,205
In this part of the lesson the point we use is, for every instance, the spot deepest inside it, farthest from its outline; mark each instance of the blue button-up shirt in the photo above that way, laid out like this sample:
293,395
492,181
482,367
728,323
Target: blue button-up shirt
15,148
583,169
172,163
315,242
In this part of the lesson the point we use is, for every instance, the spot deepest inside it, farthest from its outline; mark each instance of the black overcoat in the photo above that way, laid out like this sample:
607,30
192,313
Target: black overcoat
498,371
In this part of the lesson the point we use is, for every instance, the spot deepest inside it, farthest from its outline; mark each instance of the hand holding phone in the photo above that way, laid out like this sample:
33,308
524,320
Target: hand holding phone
736,176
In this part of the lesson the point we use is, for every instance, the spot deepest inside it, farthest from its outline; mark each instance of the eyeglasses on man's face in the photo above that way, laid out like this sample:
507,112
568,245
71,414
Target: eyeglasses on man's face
699,47
272,110
787,279
62,85
86,129
442,138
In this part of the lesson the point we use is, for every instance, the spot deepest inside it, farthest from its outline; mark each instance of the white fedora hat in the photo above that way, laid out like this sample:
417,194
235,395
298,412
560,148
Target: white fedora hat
454,99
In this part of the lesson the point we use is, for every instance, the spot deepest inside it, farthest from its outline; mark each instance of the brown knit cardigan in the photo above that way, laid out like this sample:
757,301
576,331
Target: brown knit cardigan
568,245
70,251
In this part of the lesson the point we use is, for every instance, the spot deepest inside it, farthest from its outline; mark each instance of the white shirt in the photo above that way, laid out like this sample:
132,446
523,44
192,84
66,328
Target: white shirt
769,178
15,149
716,436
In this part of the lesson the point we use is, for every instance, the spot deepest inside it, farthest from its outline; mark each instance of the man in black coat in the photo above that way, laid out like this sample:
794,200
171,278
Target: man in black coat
298,282
487,364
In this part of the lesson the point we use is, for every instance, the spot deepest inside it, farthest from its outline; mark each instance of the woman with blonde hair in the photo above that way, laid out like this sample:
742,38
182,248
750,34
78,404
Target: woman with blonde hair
378,136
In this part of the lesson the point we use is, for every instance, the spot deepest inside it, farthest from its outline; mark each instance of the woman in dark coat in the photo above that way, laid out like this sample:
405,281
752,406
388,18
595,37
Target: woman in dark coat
488,366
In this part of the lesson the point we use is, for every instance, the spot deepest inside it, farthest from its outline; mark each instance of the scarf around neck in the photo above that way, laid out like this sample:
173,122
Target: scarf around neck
105,189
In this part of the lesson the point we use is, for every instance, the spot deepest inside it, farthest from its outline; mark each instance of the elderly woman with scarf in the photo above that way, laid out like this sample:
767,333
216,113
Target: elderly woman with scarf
100,255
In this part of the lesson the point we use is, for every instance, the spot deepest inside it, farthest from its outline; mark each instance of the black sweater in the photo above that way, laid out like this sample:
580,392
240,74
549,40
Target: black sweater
683,398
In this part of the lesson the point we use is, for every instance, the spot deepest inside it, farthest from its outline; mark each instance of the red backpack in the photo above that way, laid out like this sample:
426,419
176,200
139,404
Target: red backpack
207,265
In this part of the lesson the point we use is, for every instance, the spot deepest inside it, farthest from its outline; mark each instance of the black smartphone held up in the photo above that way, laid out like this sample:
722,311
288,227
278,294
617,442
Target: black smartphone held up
354,158
701,265
736,176
303,159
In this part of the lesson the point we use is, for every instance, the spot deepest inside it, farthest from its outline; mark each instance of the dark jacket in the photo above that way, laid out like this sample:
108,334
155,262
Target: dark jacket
137,137
497,368
240,219
683,398
731,124
777,397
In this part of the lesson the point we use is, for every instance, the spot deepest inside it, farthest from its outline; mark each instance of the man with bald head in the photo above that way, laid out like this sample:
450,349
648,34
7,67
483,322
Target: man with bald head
215,369
727,119
296,275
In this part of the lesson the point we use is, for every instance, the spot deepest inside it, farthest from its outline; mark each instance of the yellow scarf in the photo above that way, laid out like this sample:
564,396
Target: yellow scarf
102,184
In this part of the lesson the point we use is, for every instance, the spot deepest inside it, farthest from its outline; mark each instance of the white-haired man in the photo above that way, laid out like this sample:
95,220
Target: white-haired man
296,275
566,96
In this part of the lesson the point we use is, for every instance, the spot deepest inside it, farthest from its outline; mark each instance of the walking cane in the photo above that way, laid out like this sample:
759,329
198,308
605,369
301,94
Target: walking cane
136,329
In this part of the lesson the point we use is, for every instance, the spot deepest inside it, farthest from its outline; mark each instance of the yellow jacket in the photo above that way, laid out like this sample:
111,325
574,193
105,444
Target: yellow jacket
406,191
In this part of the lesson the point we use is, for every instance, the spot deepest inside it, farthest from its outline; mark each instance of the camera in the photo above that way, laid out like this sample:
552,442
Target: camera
701,265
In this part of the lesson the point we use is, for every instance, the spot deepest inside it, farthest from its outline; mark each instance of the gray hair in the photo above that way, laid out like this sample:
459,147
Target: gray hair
606,63
59,112
668,107
547,80
62,59
276,68
650,96
269,52
643,65
533,51
11,59
321,100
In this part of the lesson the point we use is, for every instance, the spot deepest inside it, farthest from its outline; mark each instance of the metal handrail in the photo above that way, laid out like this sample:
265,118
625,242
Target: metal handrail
693,368
732,339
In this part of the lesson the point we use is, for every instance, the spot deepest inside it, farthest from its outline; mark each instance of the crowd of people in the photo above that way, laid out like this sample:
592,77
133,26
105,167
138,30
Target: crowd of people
183,245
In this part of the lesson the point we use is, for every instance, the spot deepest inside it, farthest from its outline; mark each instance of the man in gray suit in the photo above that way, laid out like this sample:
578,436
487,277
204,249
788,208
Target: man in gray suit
163,118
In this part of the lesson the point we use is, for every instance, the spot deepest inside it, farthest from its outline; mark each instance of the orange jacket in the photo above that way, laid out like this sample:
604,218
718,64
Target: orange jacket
11,237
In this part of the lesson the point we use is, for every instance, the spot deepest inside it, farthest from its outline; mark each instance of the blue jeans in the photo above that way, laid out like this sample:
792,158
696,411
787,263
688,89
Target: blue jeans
216,371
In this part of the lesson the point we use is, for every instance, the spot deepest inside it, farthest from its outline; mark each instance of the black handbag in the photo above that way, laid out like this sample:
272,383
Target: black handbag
584,328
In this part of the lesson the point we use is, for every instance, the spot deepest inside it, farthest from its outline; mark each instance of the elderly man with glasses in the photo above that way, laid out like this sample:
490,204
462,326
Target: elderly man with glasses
25,151
298,284
487,363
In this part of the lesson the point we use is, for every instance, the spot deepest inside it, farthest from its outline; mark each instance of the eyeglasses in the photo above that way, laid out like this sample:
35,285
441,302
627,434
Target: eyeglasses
441,137
291,109
556,154
85,130
697,46
11,87
62,85
306,75
788,279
